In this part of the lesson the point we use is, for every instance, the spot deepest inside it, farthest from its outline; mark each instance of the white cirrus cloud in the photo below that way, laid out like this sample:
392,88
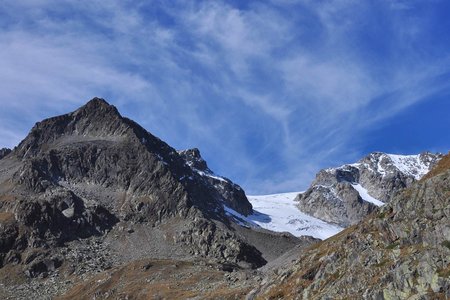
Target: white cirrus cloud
270,91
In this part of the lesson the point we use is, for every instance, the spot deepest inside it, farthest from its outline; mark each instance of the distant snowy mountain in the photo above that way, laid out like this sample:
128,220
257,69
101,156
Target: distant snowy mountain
346,194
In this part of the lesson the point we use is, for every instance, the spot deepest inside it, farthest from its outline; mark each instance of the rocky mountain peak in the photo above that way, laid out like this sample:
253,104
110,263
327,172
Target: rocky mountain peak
97,102
94,121
231,194
194,159
98,107
91,172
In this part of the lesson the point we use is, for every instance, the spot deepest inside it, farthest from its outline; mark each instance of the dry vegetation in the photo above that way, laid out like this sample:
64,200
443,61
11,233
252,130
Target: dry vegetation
6,217
159,279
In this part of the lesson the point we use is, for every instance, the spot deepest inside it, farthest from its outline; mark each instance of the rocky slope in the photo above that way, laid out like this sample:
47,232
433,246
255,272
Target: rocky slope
400,252
92,190
346,194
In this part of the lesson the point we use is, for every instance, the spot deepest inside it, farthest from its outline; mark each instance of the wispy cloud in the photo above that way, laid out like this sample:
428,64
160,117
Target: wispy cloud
270,91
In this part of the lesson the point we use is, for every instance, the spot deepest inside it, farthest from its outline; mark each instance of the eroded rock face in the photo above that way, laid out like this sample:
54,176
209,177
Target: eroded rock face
341,204
208,238
78,175
334,196
60,216
400,252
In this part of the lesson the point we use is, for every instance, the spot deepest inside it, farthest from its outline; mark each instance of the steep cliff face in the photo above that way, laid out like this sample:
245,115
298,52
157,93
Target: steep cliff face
399,252
346,194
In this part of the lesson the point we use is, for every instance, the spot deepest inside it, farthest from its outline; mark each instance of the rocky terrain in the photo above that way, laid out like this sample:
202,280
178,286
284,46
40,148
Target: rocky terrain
401,251
345,195
93,192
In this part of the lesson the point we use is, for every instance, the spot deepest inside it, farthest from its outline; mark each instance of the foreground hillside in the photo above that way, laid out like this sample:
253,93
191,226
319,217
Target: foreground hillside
401,251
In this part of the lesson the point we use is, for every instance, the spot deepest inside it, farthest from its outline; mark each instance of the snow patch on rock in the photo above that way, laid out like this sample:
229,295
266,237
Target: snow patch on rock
365,195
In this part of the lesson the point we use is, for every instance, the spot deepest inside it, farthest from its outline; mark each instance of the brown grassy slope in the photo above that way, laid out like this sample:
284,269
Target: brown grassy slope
160,279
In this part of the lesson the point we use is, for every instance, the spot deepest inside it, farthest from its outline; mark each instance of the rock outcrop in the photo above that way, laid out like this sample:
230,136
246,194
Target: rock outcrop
346,194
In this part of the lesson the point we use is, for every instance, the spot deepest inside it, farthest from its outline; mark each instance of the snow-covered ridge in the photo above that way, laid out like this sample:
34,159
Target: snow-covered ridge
415,166
412,165
375,179
278,212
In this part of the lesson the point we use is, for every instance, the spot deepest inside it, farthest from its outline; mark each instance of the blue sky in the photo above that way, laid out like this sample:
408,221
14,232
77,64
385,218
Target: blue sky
270,91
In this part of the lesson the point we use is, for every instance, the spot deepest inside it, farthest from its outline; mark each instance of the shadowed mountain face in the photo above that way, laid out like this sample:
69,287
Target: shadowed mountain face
401,251
93,174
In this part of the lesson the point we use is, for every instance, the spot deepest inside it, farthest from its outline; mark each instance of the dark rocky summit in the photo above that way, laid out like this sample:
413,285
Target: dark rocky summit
337,195
91,190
